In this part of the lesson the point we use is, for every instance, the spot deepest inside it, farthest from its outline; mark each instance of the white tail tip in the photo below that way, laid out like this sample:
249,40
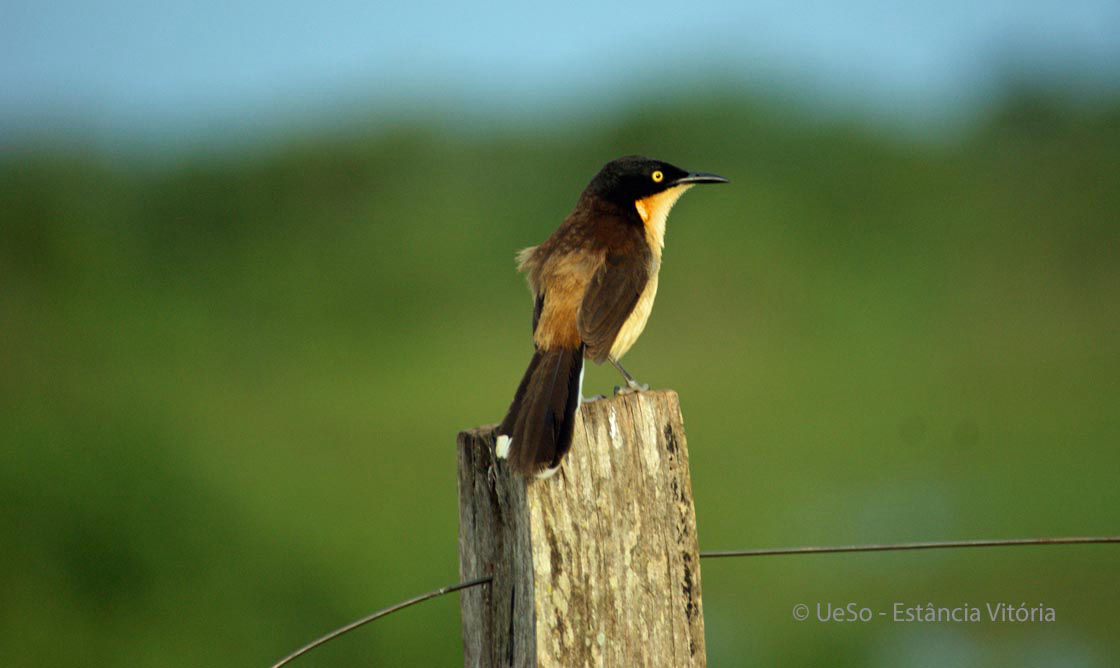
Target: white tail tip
547,473
501,448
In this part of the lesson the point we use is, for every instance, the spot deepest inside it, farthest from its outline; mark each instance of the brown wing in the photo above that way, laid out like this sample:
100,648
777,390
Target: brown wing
610,297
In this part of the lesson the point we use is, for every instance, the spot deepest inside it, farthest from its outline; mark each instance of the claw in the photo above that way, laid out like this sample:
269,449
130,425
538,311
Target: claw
631,384
631,387
595,397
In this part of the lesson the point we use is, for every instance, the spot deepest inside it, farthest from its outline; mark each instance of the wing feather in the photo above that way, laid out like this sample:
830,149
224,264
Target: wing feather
610,298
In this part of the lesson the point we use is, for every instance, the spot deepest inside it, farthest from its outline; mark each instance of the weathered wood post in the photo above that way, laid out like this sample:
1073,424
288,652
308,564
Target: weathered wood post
596,566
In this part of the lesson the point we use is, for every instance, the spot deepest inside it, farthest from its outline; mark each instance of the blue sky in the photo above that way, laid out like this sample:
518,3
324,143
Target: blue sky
133,66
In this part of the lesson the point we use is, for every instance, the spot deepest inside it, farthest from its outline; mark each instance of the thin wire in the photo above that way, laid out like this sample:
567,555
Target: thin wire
715,555
934,545
381,613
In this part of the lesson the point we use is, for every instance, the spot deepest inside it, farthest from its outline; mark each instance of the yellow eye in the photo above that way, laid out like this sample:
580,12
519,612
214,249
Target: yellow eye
657,176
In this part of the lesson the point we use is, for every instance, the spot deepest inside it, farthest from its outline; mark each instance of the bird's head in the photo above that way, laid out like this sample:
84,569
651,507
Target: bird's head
636,177
650,186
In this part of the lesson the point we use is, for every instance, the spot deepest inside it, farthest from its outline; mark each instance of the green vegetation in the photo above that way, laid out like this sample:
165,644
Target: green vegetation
229,388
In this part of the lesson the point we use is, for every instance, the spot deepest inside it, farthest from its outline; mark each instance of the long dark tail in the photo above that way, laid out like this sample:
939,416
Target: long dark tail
537,430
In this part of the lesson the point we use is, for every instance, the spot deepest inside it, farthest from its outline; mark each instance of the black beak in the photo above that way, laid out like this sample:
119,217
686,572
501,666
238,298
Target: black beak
700,177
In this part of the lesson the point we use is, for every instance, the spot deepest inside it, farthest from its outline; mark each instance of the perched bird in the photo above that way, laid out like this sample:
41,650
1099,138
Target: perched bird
593,283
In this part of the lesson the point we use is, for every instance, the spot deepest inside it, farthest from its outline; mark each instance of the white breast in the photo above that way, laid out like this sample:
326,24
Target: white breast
631,329
654,211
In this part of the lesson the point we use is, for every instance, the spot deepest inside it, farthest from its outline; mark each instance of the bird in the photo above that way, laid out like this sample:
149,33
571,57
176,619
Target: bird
593,282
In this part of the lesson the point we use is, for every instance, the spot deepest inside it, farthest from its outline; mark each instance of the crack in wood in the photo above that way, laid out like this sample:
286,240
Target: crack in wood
595,566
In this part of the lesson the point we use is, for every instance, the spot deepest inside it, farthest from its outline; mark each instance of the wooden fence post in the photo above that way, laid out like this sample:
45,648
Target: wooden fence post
596,566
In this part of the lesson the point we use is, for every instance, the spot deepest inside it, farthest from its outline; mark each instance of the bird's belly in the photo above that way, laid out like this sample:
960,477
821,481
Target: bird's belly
636,322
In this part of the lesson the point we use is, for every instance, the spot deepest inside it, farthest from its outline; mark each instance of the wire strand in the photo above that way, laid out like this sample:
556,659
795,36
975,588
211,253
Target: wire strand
381,613
931,545
822,549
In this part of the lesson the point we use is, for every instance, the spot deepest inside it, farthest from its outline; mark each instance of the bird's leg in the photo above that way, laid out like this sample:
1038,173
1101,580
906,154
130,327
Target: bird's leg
631,384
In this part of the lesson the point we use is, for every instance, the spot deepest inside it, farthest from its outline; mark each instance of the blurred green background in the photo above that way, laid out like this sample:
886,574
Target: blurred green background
231,378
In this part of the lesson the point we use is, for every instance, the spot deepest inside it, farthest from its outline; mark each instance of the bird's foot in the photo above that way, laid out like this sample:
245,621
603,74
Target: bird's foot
631,387
595,397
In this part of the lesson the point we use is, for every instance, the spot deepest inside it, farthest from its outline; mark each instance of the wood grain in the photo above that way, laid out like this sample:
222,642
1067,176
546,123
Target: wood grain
596,566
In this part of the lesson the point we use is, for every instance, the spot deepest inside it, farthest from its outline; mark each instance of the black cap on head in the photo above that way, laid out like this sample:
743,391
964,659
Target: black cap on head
633,177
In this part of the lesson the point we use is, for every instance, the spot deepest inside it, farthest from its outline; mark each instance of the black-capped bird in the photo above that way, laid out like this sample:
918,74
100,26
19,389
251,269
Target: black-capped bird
593,283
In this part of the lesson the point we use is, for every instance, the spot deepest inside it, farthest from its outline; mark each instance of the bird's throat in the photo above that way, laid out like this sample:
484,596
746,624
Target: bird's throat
654,210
